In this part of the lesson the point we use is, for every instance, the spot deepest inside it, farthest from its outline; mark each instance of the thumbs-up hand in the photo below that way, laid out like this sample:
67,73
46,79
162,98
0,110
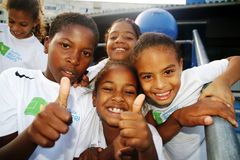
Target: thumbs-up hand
137,104
53,120
63,92
134,129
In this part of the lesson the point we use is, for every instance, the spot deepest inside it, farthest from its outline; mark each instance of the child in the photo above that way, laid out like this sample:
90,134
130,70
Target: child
20,39
28,121
116,88
120,40
169,89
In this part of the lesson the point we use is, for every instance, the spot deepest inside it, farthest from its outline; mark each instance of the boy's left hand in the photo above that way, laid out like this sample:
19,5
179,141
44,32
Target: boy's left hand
84,82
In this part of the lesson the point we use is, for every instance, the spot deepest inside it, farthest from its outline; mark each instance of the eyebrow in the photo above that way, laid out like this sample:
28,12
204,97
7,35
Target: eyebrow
123,32
128,84
169,66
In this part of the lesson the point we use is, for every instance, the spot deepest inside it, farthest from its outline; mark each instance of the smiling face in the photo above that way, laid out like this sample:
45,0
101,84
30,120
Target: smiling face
120,41
70,51
160,75
115,93
20,23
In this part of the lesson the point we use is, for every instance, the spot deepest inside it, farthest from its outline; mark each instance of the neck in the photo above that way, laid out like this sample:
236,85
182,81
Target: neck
110,132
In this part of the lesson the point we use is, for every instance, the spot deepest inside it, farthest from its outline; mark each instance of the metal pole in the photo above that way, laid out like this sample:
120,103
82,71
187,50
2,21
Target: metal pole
221,139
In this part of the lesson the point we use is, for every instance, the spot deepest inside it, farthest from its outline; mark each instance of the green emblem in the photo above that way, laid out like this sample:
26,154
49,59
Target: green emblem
157,117
3,49
35,106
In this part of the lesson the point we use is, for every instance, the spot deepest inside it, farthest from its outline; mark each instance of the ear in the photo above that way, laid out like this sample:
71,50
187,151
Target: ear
94,97
46,44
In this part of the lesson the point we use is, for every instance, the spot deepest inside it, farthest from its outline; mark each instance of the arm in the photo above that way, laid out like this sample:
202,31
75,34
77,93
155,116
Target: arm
111,152
44,131
197,114
220,88
14,149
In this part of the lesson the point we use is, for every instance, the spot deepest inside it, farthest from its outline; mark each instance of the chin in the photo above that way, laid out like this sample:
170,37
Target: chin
158,104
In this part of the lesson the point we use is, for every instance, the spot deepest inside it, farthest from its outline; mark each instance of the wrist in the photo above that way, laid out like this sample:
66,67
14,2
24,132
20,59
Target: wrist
149,152
176,117
107,153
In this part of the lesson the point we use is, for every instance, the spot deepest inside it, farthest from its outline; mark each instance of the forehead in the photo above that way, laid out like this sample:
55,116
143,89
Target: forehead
19,15
158,51
122,27
156,56
119,73
77,34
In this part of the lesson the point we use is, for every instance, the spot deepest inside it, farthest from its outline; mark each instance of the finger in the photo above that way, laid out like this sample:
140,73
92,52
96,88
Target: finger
126,151
138,102
202,96
38,138
64,92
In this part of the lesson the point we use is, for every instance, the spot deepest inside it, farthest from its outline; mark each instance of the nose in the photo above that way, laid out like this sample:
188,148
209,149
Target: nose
118,97
159,83
74,58
120,38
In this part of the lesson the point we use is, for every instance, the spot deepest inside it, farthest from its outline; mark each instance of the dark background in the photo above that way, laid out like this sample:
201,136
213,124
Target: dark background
218,25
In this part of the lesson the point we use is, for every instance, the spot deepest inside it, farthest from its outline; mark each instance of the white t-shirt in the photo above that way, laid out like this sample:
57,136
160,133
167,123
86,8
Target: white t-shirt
189,143
26,53
24,93
98,139
93,70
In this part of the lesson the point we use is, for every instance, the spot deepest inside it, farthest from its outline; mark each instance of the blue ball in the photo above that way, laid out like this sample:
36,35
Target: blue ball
157,20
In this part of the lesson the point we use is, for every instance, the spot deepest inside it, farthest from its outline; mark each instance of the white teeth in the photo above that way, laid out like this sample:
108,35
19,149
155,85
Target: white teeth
69,72
115,110
163,94
120,49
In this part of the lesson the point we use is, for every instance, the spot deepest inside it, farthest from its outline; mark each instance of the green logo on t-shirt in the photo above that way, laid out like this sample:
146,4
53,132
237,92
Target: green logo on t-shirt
157,117
3,49
35,106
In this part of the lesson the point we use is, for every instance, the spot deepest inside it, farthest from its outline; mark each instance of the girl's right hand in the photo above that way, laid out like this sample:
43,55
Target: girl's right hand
201,113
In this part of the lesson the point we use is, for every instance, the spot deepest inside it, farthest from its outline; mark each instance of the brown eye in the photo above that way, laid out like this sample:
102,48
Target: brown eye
146,77
87,53
107,89
169,72
65,45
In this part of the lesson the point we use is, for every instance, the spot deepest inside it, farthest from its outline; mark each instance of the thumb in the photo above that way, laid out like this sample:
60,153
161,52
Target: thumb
63,92
138,102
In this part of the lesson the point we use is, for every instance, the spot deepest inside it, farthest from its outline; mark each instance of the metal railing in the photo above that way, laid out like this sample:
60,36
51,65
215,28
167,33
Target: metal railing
221,139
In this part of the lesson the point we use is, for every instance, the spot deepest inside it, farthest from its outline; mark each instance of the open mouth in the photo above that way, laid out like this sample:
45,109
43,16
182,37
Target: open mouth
162,96
119,49
69,74
115,110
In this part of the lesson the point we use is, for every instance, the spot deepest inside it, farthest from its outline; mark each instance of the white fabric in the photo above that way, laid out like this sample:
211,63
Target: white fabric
189,143
19,86
26,53
98,138
93,70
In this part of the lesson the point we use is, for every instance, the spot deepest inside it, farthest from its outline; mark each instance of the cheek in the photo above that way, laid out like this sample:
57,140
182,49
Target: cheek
175,83
109,45
145,86
130,103
132,45
84,63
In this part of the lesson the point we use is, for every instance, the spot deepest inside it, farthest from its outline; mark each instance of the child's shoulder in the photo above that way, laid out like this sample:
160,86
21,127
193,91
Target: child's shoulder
3,27
18,72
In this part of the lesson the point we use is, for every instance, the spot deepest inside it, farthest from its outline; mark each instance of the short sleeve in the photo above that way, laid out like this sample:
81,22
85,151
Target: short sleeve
8,110
157,142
